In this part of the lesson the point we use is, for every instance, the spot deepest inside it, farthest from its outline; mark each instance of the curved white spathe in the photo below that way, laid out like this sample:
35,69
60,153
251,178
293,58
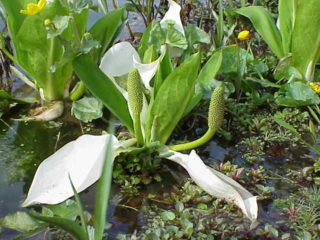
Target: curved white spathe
173,14
82,159
121,58
217,184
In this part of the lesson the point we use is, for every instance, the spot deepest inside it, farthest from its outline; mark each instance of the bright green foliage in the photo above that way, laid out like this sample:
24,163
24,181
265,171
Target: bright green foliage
265,26
37,55
286,22
306,37
103,88
299,32
216,109
171,100
105,30
87,109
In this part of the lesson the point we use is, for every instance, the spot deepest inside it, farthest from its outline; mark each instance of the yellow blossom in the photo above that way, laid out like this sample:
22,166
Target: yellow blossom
33,9
244,35
315,87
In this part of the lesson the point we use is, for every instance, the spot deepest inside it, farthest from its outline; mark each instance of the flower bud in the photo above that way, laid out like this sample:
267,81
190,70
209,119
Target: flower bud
47,22
244,35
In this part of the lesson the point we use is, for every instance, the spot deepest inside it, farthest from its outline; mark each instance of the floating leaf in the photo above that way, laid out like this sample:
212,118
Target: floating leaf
87,109
22,222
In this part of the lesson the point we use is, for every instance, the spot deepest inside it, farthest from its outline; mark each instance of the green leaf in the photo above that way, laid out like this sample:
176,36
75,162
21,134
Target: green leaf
171,100
210,69
296,94
207,73
103,88
168,216
36,54
103,192
68,225
287,10
196,35
60,23
234,59
21,222
265,26
306,37
87,109
144,41
105,29
66,209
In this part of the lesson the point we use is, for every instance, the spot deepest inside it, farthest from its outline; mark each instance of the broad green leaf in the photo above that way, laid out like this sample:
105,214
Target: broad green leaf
210,69
144,41
36,54
164,70
207,73
105,29
103,88
265,26
87,109
69,226
287,9
295,94
171,100
234,59
21,222
103,191
196,35
306,37
66,209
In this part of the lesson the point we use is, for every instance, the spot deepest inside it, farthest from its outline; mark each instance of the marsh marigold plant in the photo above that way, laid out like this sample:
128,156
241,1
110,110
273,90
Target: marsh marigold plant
33,9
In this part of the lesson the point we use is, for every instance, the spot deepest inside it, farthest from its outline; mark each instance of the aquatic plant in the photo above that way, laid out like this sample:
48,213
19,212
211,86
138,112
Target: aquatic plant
47,36
287,40
150,104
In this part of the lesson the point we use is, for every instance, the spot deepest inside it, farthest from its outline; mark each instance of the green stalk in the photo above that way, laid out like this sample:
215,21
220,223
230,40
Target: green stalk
215,118
137,129
194,144
77,91
50,94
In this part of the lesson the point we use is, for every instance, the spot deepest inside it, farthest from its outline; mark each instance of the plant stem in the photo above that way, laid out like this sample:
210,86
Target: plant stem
137,129
190,145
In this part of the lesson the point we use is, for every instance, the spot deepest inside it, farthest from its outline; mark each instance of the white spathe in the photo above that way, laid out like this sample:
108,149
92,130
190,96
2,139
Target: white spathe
173,14
82,159
121,58
217,184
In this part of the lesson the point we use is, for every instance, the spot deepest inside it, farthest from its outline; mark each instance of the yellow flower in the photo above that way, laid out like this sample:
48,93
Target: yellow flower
315,87
244,35
33,9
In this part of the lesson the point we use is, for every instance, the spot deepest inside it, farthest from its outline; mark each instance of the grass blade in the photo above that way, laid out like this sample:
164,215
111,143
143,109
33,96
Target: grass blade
102,192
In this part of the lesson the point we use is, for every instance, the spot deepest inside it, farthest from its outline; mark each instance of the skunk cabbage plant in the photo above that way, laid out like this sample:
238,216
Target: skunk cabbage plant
296,37
149,98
